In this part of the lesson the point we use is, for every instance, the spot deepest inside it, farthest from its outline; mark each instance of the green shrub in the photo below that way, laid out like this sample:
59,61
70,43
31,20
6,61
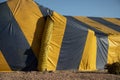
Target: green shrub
113,68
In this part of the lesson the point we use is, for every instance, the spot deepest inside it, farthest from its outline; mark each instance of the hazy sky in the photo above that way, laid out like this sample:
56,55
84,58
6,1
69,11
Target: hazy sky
99,8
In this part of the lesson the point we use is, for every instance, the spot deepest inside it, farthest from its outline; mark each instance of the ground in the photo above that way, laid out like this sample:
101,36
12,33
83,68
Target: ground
57,75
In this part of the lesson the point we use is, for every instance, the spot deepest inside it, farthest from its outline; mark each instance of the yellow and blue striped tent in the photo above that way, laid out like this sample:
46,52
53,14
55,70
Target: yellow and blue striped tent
21,28
33,37
79,43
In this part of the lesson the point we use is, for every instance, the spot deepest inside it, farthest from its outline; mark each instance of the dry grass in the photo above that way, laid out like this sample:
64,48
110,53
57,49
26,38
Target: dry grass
58,75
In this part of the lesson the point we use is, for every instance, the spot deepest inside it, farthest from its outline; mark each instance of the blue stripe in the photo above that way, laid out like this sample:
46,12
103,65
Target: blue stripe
118,18
45,11
72,46
13,43
106,23
84,25
102,51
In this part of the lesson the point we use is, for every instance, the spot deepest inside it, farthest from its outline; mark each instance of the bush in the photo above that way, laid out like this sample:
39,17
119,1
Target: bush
113,68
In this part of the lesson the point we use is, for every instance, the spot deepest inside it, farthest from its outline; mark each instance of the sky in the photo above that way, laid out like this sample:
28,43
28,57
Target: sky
93,8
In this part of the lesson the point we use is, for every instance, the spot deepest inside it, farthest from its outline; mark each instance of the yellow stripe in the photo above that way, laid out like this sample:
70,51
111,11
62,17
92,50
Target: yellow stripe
52,37
30,20
88,61
114,49
42,62
56,40
113,20
97,25
3,63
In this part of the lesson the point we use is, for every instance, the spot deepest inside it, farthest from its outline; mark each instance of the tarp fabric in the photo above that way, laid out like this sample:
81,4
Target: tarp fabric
33,37
88,43
51,42
21,28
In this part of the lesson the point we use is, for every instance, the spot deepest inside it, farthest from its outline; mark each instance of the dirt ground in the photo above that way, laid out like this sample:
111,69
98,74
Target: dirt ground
58,75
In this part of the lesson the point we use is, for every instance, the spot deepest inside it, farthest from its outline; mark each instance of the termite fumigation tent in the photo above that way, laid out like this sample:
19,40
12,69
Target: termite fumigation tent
35,38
